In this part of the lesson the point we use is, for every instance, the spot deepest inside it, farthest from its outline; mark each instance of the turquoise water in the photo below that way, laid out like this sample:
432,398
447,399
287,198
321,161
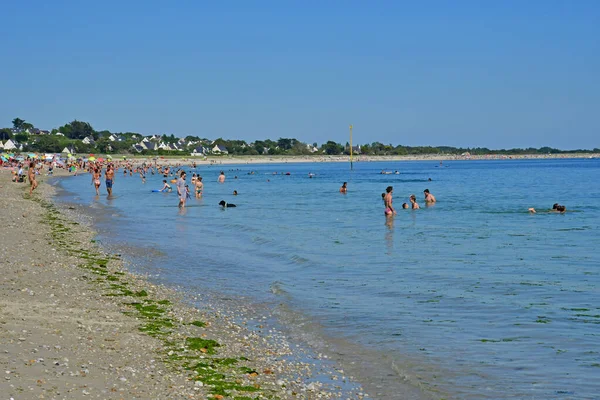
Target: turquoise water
471,298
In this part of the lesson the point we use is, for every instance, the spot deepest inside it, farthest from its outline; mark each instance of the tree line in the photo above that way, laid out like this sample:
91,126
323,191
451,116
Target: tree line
75,131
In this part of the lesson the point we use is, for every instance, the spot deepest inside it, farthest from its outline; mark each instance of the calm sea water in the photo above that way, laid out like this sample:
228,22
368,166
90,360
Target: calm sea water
471,298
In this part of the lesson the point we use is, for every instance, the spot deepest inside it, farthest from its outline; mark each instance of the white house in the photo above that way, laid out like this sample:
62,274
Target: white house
219,149
199,151
68,150
88,140
163,146
112,137
1,145
60,134
312,148
10,145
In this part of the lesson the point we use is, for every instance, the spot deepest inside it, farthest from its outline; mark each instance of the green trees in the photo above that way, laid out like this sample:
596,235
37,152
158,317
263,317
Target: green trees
21,137
332,148
5,134
77,130
48,144
18,123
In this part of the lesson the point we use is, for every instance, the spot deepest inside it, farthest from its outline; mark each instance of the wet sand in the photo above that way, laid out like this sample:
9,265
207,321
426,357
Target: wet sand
74,323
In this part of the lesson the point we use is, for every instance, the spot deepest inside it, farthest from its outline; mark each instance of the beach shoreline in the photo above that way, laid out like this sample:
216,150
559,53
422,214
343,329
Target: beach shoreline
237,160
78,324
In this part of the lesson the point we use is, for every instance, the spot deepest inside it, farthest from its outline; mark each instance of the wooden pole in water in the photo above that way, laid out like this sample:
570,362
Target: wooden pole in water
351,166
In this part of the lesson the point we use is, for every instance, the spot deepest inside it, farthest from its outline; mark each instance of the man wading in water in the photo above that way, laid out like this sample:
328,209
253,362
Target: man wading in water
110,177
181,190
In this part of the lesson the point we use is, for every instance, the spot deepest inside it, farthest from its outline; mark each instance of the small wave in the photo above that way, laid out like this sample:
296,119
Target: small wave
277,289
299,260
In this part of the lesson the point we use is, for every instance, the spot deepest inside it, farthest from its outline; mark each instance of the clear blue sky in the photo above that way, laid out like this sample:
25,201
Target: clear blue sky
460,73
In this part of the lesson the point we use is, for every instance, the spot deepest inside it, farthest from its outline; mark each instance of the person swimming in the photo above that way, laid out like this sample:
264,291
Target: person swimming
556,208
404,205
344,188
166,187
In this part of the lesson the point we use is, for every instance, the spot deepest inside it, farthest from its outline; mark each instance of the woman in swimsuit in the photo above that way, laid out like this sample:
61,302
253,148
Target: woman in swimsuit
387,200
96,180
199,187
413,201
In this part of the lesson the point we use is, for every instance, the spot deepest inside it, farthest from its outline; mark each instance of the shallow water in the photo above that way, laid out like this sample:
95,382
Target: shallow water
471,298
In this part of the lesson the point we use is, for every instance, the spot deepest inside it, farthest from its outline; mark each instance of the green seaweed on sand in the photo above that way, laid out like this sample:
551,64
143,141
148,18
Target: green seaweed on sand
147,311
157,327
221,376
196,343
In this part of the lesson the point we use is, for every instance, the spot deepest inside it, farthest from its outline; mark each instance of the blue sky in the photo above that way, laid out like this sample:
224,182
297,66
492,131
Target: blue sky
459,73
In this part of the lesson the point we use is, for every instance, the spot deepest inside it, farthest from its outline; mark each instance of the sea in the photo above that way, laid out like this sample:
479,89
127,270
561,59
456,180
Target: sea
471,298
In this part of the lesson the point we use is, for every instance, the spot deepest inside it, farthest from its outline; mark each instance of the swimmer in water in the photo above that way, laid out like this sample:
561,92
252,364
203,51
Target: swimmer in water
221,178
429,198
235,192
556,208
387,200
344,188
404,205
413,201
166,187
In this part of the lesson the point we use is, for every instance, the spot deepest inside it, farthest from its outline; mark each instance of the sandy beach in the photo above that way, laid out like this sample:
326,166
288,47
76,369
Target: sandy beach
226,159
75,324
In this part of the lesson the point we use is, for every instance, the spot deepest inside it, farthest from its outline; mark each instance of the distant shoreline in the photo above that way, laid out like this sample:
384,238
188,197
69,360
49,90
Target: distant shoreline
357,159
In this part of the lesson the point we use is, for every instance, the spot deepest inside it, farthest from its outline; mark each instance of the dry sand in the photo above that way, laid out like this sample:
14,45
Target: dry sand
357,158
75,324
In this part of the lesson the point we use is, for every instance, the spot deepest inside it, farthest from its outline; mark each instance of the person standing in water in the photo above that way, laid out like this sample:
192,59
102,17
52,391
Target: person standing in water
413,201
96,180
429,198
221,177
387,201
199,187
109,175
344,188
181,189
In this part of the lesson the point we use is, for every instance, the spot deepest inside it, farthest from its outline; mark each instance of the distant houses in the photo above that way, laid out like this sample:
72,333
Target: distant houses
199,151
11,145
219,149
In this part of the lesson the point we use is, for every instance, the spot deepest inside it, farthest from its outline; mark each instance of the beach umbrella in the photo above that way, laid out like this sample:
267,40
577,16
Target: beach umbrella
30,155
109,156
100,159
92,158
